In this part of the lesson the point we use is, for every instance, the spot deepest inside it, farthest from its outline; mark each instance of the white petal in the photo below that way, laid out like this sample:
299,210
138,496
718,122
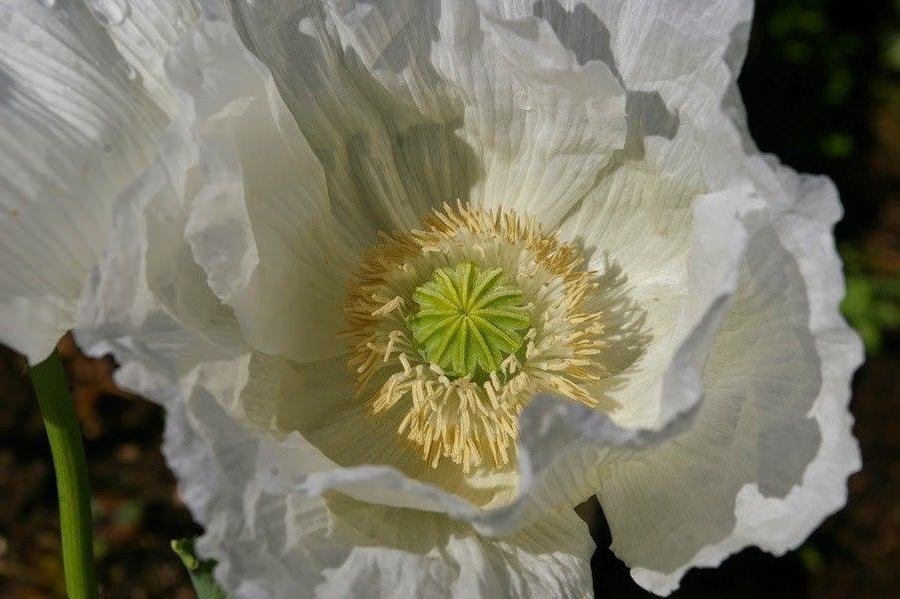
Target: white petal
640,220
667,249
285,546
686,54
77,128
148,29
147,299
768,456
259,222
500,111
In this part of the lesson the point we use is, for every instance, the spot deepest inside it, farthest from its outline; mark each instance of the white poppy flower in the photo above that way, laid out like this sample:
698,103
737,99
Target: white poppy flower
416,278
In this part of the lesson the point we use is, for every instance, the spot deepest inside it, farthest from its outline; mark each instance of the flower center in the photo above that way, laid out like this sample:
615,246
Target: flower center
455,327
469,320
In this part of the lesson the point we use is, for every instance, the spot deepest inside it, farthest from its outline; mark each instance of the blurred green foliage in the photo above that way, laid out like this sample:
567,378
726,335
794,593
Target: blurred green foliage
813,37
872,304
823,84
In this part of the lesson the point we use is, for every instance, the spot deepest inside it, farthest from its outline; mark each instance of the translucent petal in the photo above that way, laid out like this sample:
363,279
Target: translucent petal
769,454
77,129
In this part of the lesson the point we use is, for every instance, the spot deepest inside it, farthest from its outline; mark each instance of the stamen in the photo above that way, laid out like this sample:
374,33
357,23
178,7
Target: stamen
459,350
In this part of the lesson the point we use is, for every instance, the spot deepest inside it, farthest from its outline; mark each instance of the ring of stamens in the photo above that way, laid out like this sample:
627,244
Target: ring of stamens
465,408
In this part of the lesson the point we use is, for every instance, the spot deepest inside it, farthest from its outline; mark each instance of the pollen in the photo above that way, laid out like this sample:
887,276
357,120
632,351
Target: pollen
454,327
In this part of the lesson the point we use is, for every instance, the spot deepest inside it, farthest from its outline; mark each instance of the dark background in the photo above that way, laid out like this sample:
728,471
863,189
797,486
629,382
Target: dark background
822,89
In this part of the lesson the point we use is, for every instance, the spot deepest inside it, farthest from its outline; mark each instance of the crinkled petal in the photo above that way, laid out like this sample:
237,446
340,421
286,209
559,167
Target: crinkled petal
653,296
283,545
501,111
76,130
678,49
258,219
681,152
771,447
147,300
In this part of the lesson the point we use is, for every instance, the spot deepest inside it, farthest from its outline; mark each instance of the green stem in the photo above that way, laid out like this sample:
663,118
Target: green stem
49,382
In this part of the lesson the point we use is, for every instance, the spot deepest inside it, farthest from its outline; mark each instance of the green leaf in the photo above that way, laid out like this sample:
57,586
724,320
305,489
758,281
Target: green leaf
200,570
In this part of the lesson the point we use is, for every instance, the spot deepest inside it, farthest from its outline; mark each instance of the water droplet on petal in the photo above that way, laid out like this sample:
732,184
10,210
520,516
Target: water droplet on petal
109,13
48,3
